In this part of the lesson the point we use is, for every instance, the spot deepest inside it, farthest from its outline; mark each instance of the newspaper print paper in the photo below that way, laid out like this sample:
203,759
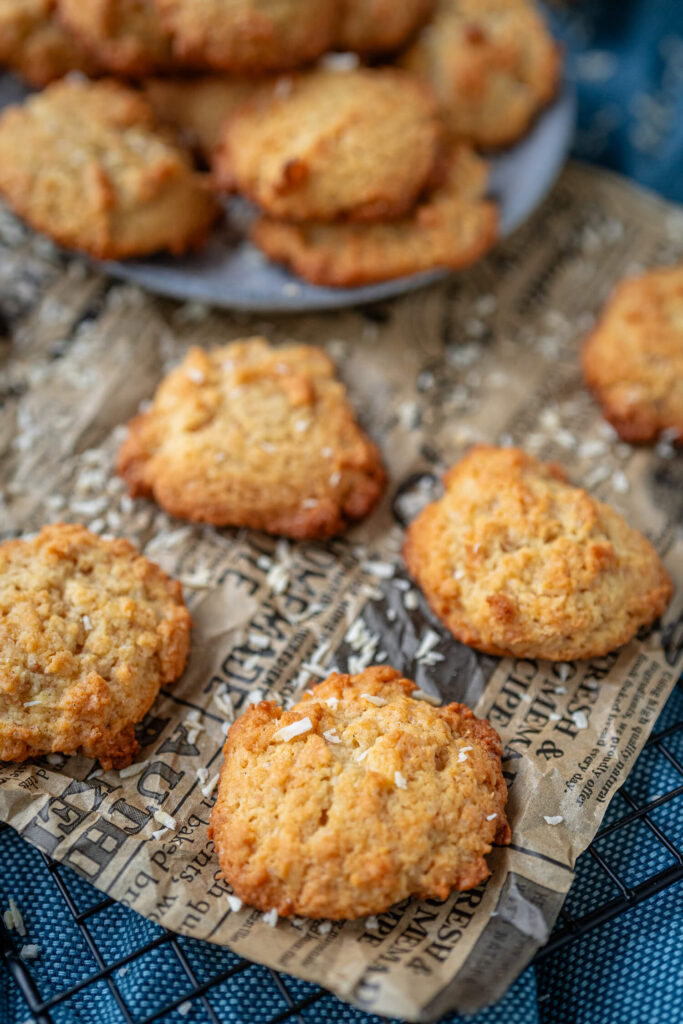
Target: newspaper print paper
490,355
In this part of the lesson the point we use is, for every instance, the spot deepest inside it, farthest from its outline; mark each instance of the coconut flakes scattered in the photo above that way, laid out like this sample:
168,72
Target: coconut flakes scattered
288,732
159,833
580,720
30,703
259,641
270,917
324,928
333,702
185,1008
165,819
335,478
202,776
379,702
235,903
29,952
427,644
384,570
428,697
371,923
490,817
133,769
620,482
87,623
17,918
410,601
553,819
208,789
462,754
331,736
400,780
362,755
560,689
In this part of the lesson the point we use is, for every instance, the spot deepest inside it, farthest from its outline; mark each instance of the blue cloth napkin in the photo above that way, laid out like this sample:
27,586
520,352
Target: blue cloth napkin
627,61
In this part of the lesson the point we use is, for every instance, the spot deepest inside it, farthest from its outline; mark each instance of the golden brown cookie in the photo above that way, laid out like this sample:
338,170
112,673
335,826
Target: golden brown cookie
197,108
124,37
89,632
249,36
356,798
493,65
452,227
251,435
633,360
83,162
380,26
359,144
515,561
35,45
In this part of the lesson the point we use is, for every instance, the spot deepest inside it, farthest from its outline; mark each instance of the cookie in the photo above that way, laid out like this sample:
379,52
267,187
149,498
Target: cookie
515,561
249,36
356,798
252,435
452,227
35,45
124,37
89,632
493,65
197,108
633,360
380,26
358,144
83,162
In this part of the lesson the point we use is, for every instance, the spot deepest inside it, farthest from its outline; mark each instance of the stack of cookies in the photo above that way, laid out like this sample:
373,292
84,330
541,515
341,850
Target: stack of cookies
351,125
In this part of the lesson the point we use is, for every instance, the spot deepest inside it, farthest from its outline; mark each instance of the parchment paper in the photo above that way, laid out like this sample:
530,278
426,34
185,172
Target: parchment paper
490,355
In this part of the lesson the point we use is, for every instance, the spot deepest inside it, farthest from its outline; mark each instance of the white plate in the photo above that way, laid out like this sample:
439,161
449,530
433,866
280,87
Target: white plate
231,273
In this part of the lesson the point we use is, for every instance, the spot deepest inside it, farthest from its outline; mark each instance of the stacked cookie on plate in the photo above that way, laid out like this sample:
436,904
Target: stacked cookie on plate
351,126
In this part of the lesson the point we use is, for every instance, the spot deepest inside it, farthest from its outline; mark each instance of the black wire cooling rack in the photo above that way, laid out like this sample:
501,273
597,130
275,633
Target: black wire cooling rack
612,895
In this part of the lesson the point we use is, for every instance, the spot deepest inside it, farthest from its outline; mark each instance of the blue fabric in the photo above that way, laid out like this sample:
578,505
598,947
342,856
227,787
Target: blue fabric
627,61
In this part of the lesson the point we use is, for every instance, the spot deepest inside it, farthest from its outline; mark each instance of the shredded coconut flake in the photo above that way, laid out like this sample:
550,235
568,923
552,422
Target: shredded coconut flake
324,928
490,817
363,754
427,644
332,702
270,917
29,952
580,720
553,819
371,923
400,780
87,623
288,732
133,769
17,918
384,570
379,702
185,1008
428,697
235,903
208,789
331,736
164,819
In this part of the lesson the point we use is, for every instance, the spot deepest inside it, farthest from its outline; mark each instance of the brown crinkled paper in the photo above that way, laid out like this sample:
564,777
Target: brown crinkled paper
490,355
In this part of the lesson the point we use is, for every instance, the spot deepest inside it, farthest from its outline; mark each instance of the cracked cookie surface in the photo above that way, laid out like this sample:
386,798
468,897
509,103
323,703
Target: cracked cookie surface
357,797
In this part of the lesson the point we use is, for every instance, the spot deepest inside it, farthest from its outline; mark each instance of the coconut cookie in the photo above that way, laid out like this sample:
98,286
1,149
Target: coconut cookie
123,36
197,108
493,65
249,36
357,144
83,162
356,798
89,632
633,360
380,26
252,435
35,45
515,561
452,227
